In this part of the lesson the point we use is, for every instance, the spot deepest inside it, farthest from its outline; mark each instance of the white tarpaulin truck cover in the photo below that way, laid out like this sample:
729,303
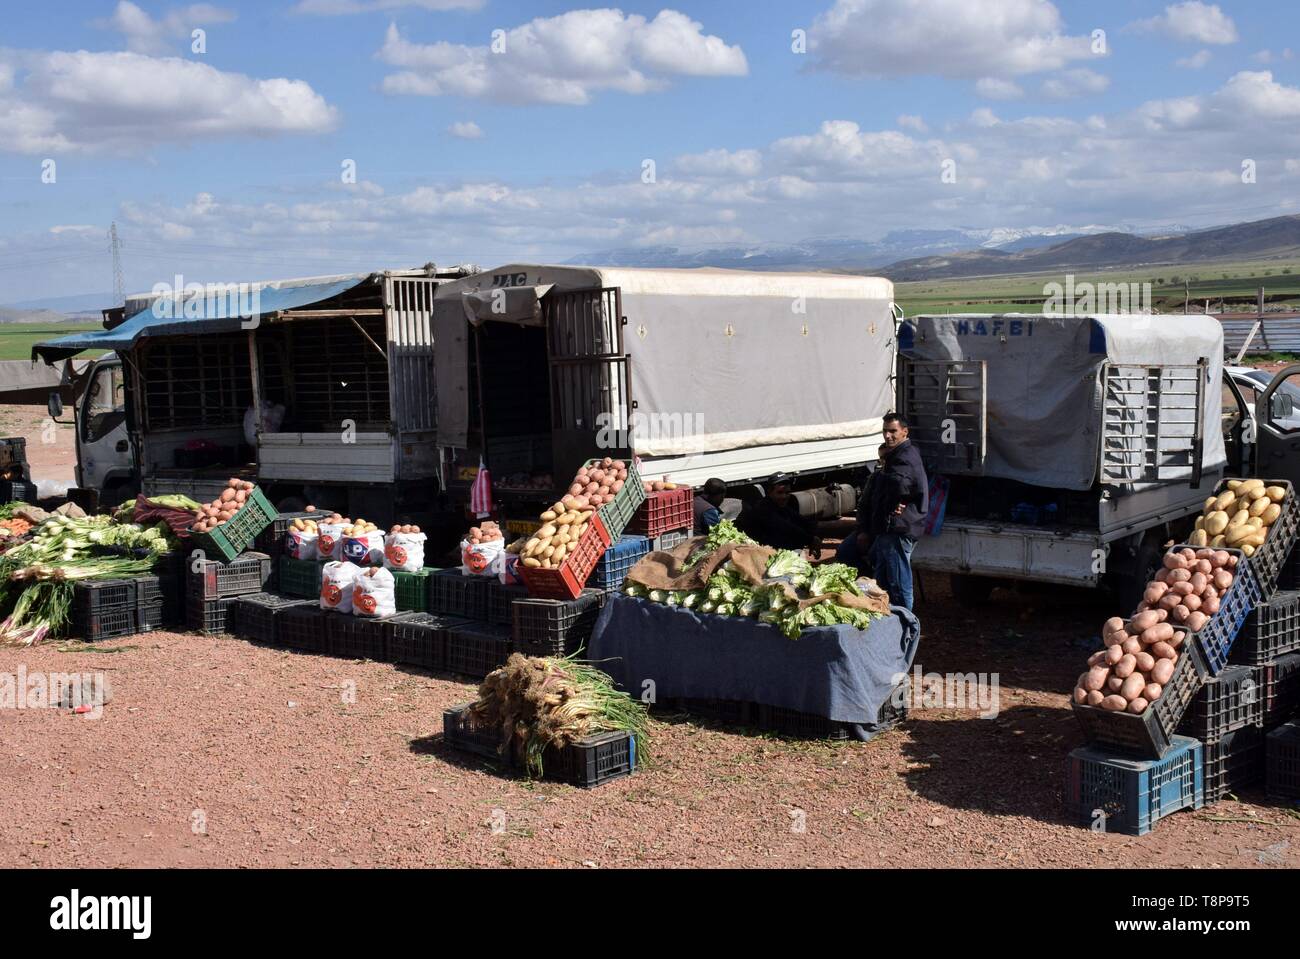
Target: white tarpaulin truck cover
1044,389
758,358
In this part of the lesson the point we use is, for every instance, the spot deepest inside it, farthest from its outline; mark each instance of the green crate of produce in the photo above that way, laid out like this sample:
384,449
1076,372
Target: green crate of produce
230,539
618,514
412,590
300,577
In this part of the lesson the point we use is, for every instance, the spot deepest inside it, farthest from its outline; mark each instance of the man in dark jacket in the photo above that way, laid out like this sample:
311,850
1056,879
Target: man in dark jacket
891,514
775,521
708,503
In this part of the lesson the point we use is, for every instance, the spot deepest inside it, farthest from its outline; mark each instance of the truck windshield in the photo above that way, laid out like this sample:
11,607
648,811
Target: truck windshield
105,404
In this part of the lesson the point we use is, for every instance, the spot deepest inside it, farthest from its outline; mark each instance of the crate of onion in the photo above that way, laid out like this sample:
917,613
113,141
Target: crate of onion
1140,683
230,523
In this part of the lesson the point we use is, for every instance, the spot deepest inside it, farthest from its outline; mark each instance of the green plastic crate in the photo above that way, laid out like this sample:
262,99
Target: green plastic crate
412,590
229,540
627,501
300,577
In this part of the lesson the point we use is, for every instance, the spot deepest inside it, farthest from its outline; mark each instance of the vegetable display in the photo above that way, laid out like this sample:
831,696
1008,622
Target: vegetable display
1190,585
408,528
779,600
657,486
596,485
223,509
536,702
36,577
485,532
1240,516
723,533
562,528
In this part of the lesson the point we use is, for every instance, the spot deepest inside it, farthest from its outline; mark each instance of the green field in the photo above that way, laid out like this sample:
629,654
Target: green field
1236,281
16,339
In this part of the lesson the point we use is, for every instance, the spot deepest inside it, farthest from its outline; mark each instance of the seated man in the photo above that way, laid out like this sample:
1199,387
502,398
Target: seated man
775,521
708,506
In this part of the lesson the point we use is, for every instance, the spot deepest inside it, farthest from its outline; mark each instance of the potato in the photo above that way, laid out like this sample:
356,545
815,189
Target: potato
1099,658
1112,654
1080,695
1199,579
1210,605
1095,678
1258,506
1170,602
560,552
1173,560
1150,694
1183,589
1113,684
1233,485
1179,637
1094,697
1137,705
1160,632
1270,514
1216,522
1144,621
1114,703
1133,686
1145,662
1181,575
1199,538
1162,650
1219,540
549,552
1236,535
1124,668
1193,603
1154,592
1250,484
1196,621
1275,493
1132,645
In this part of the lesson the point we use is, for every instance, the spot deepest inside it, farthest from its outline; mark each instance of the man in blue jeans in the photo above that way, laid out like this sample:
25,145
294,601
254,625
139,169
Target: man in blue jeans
891,514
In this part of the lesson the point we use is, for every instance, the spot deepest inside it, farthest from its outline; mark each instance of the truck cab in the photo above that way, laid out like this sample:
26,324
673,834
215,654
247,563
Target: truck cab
105,469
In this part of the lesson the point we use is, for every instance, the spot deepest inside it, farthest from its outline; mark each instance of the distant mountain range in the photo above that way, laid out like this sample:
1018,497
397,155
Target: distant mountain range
936,254
11,315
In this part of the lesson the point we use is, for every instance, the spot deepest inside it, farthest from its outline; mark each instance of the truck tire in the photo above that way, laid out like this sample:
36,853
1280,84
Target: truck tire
972,590
1128,584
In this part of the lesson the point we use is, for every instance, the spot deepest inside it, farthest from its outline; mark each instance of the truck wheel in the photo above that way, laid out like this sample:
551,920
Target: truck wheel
972,590
1128,585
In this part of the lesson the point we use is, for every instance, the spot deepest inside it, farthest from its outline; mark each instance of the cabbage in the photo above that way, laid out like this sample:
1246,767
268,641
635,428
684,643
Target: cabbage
834,578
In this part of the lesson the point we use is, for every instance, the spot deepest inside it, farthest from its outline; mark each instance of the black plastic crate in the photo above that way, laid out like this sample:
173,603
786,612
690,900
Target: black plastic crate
420,639
302,627
1282,762
588,762
299,577
1272,629
1234,762
209,616
271,539
212,579
1228,702
105,623
454,594
1281,693
150,618
101,595
12,491
1150,733
796,725
255,615
475,649
501,600
13,451
730,712
354,637
555,627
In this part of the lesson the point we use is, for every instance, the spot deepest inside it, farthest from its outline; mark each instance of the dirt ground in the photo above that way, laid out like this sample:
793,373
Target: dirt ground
52,462
217,752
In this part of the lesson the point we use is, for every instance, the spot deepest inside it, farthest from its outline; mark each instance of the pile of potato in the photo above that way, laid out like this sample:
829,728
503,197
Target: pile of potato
1190,586
485,532
360,528
404,528
562,528
1131,672
596,485
657,486
1240,516
304,525
223,509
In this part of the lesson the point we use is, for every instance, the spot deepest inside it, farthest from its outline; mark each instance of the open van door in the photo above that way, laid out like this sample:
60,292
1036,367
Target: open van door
1277,418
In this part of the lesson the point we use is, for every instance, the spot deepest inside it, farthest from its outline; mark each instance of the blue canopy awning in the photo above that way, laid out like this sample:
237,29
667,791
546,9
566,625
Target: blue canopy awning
221,312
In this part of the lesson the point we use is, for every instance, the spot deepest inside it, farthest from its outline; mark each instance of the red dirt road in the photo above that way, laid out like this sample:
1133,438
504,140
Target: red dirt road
217,752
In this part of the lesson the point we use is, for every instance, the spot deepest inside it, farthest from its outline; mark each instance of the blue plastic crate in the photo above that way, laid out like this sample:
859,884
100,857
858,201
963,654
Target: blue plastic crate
1235,606
612,567
1134,794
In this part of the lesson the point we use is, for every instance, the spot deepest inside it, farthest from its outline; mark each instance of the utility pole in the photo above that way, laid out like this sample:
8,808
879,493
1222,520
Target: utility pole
115,247
1186,295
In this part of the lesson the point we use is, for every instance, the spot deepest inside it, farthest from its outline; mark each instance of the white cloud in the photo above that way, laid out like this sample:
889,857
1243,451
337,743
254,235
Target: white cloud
75,228
466,130
1268,56
741,163
912,122
123,101
1257,94
335,8
996,88
146,35
1074,83
1196,61
1192,21
954,38
563,59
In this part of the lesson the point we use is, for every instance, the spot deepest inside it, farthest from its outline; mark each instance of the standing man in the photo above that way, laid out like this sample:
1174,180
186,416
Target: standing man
897,500
708,506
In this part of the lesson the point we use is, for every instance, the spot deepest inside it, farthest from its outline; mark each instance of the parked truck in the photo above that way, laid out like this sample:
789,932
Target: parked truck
396,386
1073,448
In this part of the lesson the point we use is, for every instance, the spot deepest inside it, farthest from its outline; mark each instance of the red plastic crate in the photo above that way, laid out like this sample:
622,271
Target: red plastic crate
663,511
567,581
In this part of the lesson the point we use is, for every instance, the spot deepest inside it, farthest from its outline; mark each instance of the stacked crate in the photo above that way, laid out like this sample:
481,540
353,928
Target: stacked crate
109,608
15,475
666,518
211,588
1271,647
1204,739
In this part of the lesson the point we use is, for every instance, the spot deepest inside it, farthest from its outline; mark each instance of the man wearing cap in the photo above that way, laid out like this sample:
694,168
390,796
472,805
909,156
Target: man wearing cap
775,521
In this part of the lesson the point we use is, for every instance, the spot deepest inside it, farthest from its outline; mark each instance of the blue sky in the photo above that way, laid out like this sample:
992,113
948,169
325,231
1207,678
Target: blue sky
225,164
